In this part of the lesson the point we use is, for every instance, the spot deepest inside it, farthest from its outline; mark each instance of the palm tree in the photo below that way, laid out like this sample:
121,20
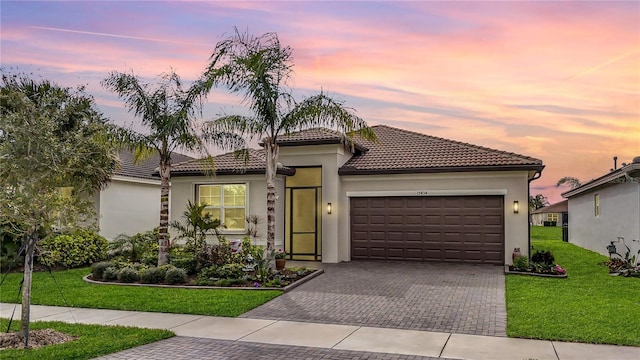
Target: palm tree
571,181
260,68
168,112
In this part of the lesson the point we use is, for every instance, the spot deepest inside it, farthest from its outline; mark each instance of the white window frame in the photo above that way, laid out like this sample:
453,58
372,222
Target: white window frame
222,230
552,217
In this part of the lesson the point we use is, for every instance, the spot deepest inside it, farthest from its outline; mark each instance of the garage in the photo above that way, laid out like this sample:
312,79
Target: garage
467,229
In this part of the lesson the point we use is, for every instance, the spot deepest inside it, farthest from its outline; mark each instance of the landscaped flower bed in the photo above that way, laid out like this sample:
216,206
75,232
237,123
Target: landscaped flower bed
140,274
541,264
237,264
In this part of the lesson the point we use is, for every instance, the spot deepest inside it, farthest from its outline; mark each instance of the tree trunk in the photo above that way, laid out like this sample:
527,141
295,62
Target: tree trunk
163,228
271,169
26,286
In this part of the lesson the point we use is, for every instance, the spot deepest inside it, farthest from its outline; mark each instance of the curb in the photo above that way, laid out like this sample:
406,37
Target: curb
285,289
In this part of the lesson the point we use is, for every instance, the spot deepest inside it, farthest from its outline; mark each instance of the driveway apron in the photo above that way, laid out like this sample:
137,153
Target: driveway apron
457,298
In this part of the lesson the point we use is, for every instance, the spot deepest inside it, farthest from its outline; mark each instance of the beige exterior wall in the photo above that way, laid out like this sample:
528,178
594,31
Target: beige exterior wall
128,206
336,247
619,216
540,218
512,184
330,157
184,189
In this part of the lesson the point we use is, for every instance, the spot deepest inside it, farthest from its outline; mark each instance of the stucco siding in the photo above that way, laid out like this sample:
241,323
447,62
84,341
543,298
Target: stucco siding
336,241
184,189
619,216
128,207
330,157
539,219
513,184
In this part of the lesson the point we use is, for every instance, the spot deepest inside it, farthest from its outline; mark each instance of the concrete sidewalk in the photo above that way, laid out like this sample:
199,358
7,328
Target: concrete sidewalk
332,336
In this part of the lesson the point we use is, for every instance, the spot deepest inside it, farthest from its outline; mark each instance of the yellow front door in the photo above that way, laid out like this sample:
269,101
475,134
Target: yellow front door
303,222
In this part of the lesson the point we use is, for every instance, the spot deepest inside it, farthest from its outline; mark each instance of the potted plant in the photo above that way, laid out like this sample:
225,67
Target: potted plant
280,259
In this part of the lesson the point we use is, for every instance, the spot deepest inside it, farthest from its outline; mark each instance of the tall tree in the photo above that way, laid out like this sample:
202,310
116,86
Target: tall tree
259,68
568,180
537,202
168,112
51,138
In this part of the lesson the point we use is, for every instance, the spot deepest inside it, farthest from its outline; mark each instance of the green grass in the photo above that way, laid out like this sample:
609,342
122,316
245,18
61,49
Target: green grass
78,293
92,340
588,306
546,233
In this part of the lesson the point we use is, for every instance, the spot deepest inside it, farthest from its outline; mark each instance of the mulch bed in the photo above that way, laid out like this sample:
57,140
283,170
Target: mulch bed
37,338
511,270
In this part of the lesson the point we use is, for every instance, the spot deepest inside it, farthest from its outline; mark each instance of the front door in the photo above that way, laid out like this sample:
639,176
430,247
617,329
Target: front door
303,223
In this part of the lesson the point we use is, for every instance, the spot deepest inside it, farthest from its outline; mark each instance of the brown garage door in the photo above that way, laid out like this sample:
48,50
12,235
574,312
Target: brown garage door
435,228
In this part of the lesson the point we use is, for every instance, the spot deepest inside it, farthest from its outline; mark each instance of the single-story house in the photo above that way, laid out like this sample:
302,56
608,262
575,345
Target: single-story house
606,208
550,215
408,196
131,202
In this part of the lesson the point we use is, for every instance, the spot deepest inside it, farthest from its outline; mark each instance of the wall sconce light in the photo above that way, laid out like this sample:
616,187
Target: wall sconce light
329,208
516,207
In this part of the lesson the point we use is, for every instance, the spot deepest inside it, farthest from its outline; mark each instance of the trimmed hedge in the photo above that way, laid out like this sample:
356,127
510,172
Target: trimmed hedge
78,249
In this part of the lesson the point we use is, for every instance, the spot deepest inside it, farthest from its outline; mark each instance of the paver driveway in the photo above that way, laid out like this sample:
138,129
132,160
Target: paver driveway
463,299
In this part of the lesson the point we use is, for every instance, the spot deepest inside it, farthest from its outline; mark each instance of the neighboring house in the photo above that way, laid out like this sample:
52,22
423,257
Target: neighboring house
549,215
606,208
131,202
408,196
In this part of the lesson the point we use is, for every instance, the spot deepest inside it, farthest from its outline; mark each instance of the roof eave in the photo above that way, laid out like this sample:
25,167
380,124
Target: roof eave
280,171
283,143
605,180
354,171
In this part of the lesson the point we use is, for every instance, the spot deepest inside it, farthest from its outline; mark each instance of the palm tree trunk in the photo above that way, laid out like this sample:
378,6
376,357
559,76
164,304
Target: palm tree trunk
271,169
163,228
26,286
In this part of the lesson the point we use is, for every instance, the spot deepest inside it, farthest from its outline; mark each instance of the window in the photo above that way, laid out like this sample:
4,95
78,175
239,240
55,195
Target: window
596,204
226,202
552,217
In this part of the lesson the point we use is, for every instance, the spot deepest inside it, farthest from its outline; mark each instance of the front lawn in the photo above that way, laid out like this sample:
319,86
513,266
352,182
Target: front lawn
546,233
79,293
92,340
588,306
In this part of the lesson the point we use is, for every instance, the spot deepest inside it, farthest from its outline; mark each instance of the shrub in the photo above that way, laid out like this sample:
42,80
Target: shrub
110,273
186,262
521,262
175,276
221,254
97,269
228,271
128,275
153,275
231,271
80,248
543,257
136,247
249,249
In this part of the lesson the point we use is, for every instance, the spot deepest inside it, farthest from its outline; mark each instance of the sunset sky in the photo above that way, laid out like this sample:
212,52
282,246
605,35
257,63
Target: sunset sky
556,80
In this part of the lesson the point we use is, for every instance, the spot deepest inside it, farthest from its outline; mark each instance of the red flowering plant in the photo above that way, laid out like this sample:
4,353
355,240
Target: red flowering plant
557,269
281,254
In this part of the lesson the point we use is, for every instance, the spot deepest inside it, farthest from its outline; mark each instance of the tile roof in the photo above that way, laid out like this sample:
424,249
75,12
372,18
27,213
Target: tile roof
317,136
401,151
558,207
146,168
228,164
